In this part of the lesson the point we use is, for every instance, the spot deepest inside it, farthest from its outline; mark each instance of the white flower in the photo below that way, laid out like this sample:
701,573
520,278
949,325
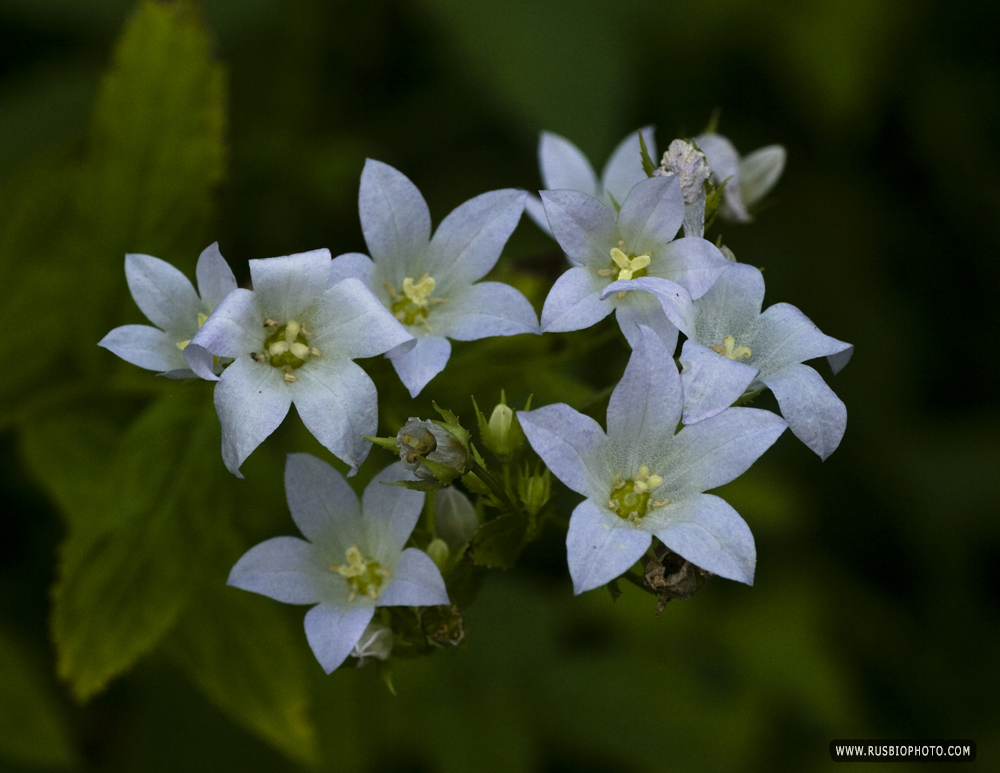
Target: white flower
750,178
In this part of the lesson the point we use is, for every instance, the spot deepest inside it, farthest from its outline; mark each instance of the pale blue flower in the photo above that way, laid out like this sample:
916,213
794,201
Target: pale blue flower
292,340
564,167
750,178
628,261
169,301
431,284
734,348
351,561
643,480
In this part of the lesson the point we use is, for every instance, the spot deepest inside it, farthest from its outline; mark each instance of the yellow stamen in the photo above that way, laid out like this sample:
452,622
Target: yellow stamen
729,349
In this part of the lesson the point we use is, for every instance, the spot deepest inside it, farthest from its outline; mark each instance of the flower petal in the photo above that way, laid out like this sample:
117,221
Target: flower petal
674,299
321,501
352,264
394,216
162,293
417,366
691,262
600,546
333,631
624,169
725,163
234,328
536,211
287,286
487,309
709,533
337,402
354,323
468,242
730,306
145,346
784,336
416,582
564,167
572,445
252,400
215,278
643,308
814,413
574,302
399,507
759,171
651,215
711,382
201,363
584,227
840,359
282,568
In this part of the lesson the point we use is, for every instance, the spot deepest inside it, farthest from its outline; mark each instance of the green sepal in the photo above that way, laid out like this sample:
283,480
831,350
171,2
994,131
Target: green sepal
384,670
614,202
442,472
416,485
451,423
389,443
498,543
647,163
481,422
472,482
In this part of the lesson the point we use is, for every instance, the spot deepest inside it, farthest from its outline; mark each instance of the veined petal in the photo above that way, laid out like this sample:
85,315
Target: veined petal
715,451
287,286
574,302
162,293
484,310
145,346
399,507
251,400
709,533
673,298
759,171
643,308
333,631
281,568
624,169
394,216
234,328
651,215
353,322
691,262
337,402
201,363
564,167
814,413
711,382
730,306
468,242
215,278
584,227
417,582
600,546
784,336
572,445
352,265
418,365
320,500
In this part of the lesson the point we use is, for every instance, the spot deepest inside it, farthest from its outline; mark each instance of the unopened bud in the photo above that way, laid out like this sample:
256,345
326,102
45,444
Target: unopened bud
439,552
455,518
430,450
375,643
534,491
502,434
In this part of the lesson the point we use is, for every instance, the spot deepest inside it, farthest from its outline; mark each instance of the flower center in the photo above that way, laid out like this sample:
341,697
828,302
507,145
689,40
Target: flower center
412,305
626,266
286,347
728,348
201,321
630,499
365,577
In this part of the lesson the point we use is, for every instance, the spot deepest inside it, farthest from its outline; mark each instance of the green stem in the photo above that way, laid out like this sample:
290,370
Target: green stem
498,491
748,397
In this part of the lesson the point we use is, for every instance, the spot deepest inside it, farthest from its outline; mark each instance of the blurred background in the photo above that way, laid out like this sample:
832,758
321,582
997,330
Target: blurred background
875,608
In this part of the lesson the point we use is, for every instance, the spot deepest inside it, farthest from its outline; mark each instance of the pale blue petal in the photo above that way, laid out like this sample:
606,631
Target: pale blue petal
333,631
814,413
282,568
287,286
574,302
840,359
725,163
691,262
564,167
455,517
674,299
584,227
536,211
711,382
715,451
251,399
352,265
394,216
215,278
201,363
397,506
624,169
354,323
468,242
600,546
162,293
759,171
784,336
235,328
642,308
647,401
416,582
572,445
320,500
337,402
730,306
417,366
709,533
145,346
651,215
484,310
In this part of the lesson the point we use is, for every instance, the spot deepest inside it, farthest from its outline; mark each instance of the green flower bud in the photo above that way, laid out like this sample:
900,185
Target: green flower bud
455,518
438,552
502,434
534,490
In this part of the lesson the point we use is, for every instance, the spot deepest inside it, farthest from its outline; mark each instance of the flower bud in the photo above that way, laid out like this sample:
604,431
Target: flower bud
375,642
534,490
502,434
430,449
438,552
455,518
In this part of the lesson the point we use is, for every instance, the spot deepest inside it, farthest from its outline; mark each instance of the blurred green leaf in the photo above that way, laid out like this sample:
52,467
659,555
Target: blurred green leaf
34,727
498,543
134,553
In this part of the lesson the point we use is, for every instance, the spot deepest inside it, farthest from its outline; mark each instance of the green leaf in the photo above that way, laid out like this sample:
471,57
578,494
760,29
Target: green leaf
648,166
498,543
245,656
134,551
34,724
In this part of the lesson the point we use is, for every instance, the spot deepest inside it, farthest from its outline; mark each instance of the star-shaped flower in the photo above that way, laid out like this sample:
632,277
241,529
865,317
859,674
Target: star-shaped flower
643,480
351,561
564,167
292,340
431,284
618,254
734,348
750,177
169,301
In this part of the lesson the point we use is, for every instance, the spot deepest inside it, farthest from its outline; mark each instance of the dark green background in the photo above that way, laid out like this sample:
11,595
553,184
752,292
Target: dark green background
874,612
